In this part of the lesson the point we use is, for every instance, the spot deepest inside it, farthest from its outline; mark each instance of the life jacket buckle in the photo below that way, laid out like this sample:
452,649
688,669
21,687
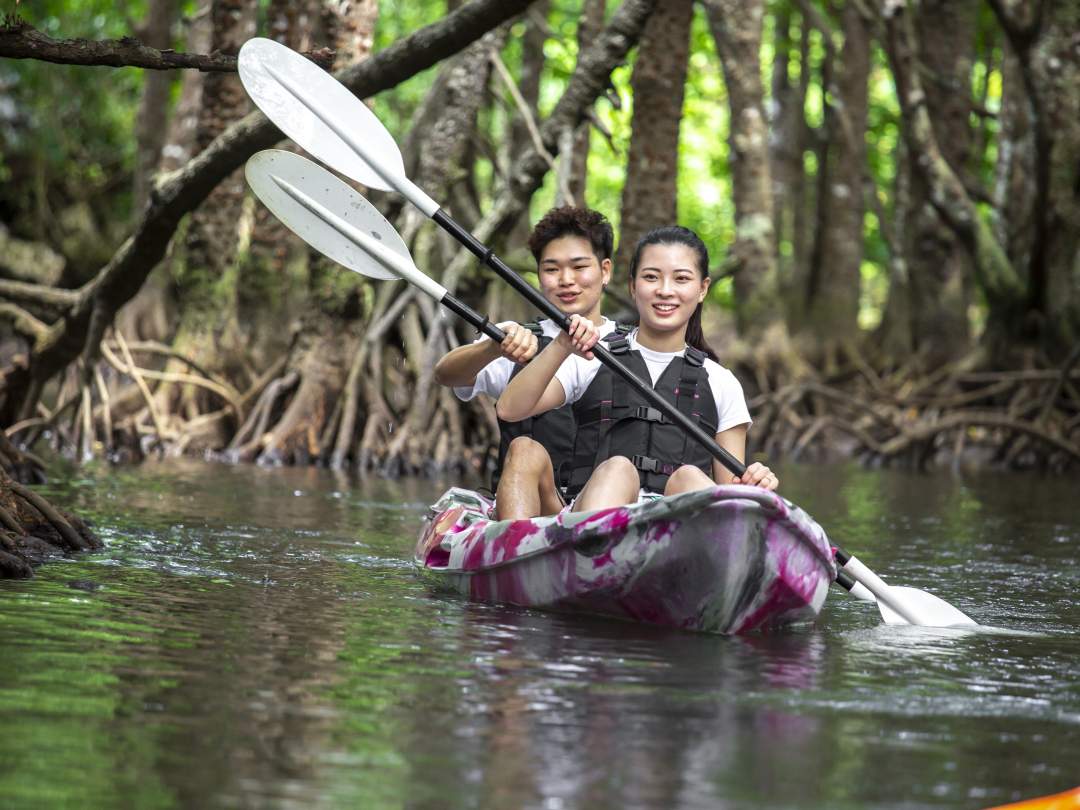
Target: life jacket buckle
617,344
649,414
646,464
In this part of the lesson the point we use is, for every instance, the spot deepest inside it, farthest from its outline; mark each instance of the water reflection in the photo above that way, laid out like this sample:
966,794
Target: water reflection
591,713
257,638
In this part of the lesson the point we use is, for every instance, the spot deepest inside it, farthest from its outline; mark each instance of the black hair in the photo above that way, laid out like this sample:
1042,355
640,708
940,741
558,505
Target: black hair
678,235
569,220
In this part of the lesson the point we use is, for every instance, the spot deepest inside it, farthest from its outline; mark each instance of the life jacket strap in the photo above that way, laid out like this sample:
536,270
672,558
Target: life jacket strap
652,465
607,412
618,342
695,357
535,328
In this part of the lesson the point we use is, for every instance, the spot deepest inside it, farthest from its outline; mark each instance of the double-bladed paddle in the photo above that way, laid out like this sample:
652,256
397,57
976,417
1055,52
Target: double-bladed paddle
325,118
341,224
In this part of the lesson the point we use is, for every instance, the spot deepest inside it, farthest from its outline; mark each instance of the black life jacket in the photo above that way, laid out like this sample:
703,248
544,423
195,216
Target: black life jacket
613,419
554,429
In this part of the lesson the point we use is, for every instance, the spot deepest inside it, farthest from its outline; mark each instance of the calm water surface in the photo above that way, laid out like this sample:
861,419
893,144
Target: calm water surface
256,638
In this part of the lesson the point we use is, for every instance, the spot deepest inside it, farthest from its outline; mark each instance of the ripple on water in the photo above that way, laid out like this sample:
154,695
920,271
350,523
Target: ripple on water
248,646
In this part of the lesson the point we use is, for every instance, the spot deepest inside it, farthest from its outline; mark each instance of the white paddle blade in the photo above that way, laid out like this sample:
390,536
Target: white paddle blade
900,605
270,173
320,114
929,609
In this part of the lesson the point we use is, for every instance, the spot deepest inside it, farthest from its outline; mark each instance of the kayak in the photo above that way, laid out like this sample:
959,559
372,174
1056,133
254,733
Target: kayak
1069,800
731,559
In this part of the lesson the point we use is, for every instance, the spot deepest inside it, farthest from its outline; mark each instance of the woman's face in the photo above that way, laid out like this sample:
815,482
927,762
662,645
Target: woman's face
668,286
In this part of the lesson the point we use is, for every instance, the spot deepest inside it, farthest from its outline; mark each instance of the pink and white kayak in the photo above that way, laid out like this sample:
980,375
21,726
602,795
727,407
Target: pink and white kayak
731,559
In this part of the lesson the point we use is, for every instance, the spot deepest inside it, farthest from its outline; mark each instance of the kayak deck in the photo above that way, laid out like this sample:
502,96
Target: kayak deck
731,559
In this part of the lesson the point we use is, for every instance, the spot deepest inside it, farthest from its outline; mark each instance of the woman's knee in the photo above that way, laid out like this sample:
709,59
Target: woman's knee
617,470
614,482
686,479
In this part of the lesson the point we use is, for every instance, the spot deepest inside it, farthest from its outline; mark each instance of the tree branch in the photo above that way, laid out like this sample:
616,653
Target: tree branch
180,192
41,294
530,122
20,40
23,321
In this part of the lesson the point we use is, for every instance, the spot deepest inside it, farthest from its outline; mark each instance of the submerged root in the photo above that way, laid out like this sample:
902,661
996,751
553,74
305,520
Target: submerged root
32,530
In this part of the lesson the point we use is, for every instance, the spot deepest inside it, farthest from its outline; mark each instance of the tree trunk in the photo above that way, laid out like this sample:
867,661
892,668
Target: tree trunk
736,27
1056,69
209,328
441,167
532,66
212,237
786,127
319,357
152,118
938,265
590,24
835,280
1004,289
355,34
501,303
649,196
149,315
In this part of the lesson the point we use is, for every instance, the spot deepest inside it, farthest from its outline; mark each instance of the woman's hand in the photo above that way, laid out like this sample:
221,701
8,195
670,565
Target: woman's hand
519,345
758,475
581,336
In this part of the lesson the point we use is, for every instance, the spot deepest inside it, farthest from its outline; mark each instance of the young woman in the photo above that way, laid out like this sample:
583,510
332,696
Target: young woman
626,450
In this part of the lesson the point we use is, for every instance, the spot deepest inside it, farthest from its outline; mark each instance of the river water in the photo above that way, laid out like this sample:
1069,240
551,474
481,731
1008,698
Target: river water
257,638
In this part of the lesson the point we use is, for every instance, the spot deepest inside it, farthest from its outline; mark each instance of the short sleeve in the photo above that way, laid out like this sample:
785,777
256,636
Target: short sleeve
731,409
492,380
575,375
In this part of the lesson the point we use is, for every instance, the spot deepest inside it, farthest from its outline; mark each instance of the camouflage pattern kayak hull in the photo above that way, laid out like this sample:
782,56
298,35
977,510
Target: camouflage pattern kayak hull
731,559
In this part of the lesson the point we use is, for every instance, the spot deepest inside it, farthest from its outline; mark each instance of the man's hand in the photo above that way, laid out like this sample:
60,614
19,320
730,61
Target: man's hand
519,345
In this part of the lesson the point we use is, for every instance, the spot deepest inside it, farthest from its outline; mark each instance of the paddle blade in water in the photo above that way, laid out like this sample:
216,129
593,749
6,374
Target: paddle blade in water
272,172
320,113
929,609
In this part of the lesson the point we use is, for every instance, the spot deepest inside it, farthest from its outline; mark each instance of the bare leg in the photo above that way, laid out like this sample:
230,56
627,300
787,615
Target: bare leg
527,485
688,479
613,483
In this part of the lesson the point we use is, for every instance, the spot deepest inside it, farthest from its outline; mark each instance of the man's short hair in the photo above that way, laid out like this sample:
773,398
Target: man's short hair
569,220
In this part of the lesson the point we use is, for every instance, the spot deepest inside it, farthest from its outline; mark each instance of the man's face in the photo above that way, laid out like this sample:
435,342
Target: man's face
571,277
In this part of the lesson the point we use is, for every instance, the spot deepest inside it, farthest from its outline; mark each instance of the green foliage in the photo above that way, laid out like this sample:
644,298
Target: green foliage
397,19
66,130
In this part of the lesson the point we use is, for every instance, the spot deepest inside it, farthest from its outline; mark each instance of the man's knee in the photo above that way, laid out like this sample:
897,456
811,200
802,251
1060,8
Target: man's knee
527,453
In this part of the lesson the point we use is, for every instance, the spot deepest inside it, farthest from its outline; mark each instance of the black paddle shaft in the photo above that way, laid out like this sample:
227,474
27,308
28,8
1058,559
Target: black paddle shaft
533,296
473,318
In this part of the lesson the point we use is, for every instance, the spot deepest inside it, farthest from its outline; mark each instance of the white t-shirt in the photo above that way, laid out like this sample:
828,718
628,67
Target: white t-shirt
577,373
495,376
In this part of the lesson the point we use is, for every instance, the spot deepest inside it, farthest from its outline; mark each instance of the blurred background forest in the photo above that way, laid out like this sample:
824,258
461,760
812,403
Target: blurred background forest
890,192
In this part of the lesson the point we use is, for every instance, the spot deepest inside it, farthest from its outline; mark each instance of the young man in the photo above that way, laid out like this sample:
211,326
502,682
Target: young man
572,247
